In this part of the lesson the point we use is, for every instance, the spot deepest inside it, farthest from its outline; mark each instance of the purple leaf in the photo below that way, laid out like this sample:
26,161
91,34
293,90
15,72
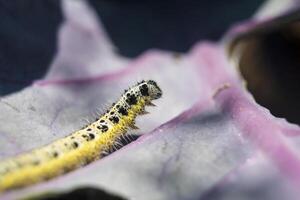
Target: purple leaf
206,139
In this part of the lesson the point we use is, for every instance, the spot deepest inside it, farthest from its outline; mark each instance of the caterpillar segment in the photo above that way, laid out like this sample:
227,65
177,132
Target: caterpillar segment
83,146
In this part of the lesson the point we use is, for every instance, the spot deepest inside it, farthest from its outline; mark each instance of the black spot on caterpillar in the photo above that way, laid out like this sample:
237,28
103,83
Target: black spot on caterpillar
82,146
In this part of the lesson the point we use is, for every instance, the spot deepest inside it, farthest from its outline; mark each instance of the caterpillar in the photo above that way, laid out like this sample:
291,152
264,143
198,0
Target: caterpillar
80,147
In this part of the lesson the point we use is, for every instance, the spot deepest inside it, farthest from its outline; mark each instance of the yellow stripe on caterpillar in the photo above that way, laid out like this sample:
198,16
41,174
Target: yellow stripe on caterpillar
82,146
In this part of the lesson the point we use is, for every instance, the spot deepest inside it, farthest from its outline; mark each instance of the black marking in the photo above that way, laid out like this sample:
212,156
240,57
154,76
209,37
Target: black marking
117,106
112,112
89,129
86,137
55,154
92,136
101,121
72,137
131,100
104,128
75,145
123,111
152,83
144,90
114,119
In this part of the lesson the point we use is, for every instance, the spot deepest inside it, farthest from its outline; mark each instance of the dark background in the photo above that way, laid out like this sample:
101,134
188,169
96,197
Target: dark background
28,30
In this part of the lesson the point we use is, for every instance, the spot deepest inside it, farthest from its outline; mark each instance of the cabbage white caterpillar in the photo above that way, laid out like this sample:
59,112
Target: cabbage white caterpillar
82,146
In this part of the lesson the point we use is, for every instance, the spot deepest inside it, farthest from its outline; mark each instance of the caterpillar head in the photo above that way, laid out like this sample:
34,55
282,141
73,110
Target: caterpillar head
154,91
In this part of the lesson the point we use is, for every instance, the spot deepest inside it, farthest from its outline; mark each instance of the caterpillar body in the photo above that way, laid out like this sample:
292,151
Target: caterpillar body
82,146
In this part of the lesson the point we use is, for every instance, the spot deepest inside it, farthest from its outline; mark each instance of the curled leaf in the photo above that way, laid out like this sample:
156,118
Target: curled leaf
207,138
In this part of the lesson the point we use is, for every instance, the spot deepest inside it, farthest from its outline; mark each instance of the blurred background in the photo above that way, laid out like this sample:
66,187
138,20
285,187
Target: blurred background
270,62
28,30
